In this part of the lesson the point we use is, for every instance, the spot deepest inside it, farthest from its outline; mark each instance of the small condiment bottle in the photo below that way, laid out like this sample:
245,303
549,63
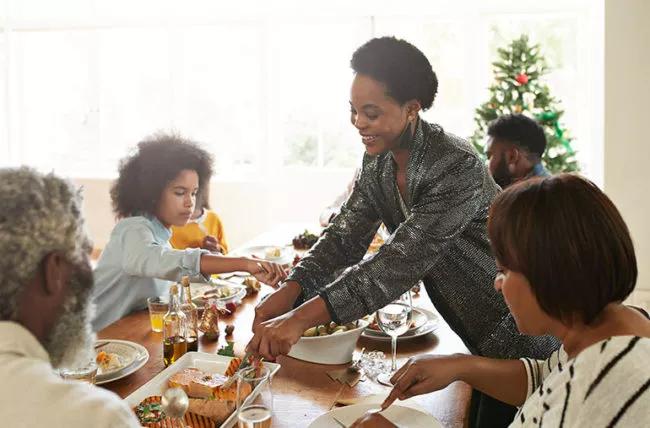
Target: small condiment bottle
191,312
174,329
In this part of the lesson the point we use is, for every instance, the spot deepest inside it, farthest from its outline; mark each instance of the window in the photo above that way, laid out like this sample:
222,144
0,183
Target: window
265,90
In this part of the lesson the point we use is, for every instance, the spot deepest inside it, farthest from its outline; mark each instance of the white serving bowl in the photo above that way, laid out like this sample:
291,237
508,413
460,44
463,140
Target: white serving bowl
331,349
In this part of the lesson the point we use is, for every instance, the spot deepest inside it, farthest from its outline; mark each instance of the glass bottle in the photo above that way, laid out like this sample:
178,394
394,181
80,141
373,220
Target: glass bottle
191,312
174,329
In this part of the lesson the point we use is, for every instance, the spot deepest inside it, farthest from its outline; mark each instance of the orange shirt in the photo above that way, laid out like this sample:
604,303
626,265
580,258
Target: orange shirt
191,235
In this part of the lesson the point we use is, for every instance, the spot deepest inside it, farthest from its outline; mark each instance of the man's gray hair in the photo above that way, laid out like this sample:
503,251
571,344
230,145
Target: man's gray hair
39,214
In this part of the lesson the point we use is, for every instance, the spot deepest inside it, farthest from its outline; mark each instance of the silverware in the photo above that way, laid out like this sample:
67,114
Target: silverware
244,364
101,345
174,403
336,397
341,424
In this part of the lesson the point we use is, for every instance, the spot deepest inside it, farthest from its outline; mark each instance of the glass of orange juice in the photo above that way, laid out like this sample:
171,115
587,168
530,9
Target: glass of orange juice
158,307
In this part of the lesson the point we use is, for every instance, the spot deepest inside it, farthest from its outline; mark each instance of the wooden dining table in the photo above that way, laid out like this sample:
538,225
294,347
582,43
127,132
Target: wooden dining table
303,391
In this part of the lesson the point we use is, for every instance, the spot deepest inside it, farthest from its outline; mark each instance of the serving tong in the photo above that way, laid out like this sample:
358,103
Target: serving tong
244,364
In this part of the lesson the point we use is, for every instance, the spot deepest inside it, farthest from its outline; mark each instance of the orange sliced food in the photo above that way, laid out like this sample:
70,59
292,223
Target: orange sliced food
150,415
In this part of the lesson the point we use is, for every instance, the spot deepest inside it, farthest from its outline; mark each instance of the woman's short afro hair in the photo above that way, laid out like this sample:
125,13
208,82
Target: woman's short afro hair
400,66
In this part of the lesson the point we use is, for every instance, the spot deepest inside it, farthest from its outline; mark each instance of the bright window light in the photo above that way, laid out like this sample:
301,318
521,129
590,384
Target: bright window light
265,89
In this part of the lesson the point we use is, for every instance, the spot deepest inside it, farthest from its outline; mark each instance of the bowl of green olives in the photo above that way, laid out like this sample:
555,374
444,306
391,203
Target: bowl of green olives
329,343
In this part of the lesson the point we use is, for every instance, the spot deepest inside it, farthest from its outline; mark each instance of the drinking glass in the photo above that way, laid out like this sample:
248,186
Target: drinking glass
254,398
158,307
394,319
85,373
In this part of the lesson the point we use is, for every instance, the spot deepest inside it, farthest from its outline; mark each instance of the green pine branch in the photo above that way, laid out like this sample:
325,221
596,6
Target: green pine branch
533,98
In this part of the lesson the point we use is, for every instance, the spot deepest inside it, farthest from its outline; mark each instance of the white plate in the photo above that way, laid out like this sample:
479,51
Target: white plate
200,360
286,253
199,289
403,417
429,325
133,355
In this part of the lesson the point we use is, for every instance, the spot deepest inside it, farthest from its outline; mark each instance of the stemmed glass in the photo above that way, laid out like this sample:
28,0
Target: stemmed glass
254,398
394,319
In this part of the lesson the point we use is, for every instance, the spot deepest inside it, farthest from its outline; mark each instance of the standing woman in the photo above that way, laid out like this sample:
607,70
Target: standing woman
156,189
432,192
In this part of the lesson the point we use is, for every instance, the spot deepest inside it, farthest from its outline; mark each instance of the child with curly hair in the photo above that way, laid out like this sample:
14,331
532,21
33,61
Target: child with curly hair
156,189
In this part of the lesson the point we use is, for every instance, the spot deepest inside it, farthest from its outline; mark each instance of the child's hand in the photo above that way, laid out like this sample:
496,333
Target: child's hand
211,244
267,272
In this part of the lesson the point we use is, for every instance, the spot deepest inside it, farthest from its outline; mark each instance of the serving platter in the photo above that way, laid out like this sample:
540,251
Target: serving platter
210,363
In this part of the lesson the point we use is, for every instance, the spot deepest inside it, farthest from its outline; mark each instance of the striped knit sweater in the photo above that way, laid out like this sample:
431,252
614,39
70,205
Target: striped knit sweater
606,385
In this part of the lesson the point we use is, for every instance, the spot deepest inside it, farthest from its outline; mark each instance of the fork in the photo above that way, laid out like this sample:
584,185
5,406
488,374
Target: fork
341,424
101,345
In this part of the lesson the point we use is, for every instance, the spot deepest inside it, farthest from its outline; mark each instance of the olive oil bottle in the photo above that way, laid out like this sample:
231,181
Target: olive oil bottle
174,329
191,312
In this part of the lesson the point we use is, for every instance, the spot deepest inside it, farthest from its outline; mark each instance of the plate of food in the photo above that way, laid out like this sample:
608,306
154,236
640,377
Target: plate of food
304,241
201,376
422,322
118,358
273,253
221,290
401,416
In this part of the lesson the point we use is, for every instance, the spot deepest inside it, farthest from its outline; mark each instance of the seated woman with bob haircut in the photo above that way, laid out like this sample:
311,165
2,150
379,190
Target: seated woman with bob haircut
566,263
156,189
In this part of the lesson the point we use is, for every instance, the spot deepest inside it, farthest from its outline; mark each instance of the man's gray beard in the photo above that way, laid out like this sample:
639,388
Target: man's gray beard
70,343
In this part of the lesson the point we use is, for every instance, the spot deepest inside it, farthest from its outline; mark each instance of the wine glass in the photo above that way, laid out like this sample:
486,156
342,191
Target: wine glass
394,319
254,398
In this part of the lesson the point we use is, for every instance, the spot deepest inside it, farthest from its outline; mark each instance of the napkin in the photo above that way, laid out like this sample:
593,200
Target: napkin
345,376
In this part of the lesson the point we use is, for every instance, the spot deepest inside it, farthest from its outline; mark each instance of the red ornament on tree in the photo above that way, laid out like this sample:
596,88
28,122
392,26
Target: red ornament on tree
521,78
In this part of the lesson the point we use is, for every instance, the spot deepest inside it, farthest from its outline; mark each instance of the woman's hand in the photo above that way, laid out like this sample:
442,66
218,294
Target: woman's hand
278,303
211,244
422,374
372,420
266,272
276,336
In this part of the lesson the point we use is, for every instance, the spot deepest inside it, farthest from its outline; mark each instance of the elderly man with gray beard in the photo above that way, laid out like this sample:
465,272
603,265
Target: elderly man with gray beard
45,311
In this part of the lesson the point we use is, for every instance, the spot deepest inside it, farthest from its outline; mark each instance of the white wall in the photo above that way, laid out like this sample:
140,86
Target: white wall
627,146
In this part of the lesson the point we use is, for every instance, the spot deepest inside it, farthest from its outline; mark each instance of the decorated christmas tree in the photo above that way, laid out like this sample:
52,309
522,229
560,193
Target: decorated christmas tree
518,88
